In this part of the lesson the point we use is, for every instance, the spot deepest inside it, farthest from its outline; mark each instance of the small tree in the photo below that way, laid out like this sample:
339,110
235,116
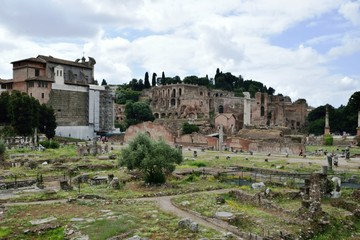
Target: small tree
155,160
153,80
146,81
103,83
328,140
189,128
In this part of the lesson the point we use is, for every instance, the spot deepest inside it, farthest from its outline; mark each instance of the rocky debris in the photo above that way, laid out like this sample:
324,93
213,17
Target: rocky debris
115,183
72,234
83,178
136,237
189,224
185,203
220,200
259,185
41,228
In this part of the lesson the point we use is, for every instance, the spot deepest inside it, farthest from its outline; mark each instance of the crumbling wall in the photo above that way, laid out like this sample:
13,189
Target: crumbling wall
155,131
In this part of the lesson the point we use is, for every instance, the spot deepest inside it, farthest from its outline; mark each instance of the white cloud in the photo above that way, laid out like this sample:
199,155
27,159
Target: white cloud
351,11
185,37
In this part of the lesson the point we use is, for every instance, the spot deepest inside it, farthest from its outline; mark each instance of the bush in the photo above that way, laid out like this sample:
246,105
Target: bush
50,144
188,128
198,164
328,140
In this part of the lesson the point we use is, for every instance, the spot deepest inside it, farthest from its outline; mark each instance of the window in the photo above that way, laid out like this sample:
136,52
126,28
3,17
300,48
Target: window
221,109
60,73
262,111
30,84
37,72
42,95
57,72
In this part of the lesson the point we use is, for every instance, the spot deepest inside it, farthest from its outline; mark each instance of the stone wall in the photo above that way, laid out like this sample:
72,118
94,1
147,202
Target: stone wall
194,139
155,131
237,143
70,107
276,147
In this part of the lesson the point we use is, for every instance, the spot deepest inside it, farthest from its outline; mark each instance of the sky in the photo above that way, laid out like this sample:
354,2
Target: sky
303,49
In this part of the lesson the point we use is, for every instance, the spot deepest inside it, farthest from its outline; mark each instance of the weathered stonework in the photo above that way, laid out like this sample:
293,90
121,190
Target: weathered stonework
155,131
186,101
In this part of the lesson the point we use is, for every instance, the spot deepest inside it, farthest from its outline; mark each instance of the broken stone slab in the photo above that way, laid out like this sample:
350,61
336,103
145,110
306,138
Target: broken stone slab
189,224
42,221
103,157
224,215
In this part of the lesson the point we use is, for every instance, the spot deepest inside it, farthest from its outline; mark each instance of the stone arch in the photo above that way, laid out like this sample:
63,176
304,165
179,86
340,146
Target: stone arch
172,102
163,115
156,115
180,92
173,94
262,111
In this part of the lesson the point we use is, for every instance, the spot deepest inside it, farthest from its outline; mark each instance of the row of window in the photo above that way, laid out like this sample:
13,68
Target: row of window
42,95
39,84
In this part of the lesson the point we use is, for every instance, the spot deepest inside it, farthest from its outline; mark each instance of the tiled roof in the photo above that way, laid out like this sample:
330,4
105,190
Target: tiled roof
6,80
64,62
30,60
227,115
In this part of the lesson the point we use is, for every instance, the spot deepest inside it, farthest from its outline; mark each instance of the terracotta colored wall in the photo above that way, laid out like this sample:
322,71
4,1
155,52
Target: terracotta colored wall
155,131
238,143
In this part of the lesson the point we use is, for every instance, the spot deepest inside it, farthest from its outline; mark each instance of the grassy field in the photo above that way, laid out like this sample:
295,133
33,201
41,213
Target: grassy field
130,218
96,220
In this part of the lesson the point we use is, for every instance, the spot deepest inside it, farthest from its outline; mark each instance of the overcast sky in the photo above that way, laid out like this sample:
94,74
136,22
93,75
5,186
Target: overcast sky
304,49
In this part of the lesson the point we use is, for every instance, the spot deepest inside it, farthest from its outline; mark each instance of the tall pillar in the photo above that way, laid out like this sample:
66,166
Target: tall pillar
358,128
247,109
327,126
221,136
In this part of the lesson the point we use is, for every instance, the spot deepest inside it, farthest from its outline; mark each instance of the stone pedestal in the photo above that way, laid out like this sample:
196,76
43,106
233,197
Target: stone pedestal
326,130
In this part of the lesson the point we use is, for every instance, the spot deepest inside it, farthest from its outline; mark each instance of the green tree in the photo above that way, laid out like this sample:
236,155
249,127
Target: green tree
47,121
103,83
188,128
4,104
23,113
155,160
146,81
137,112
153,80
124,95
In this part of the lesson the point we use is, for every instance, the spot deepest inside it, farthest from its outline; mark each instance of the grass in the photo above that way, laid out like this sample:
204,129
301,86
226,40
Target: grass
125,219
249,218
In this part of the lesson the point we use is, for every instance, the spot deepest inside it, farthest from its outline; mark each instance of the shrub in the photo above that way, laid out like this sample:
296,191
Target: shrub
188,128
328,140
198,164
50,144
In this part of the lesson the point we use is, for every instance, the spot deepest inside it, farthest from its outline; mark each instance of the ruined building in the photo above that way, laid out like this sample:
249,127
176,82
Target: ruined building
82,108
218,107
